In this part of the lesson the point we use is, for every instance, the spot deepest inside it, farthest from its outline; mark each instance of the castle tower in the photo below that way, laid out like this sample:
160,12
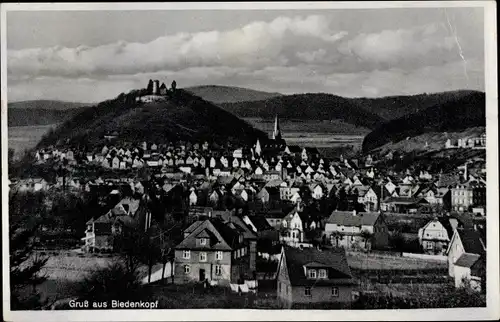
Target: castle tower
156,87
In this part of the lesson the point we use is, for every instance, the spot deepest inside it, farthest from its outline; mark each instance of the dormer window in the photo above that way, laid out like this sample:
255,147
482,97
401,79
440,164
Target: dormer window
322,273
312,273
203,241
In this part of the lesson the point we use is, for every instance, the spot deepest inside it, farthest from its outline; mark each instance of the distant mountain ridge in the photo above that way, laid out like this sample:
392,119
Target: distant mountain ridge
317,106
41,112
463,112
229,94
47,104
328,106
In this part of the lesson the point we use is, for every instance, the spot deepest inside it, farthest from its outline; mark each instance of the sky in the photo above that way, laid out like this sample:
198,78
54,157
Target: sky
90,56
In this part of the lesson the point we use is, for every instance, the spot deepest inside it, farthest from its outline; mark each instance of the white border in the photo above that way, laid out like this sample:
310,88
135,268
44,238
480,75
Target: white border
491,312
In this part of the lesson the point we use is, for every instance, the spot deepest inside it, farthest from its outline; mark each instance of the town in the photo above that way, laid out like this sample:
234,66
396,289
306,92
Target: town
279,223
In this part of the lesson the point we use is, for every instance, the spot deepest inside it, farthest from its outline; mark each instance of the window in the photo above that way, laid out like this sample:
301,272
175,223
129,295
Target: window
312,273
322,273
335,291
307,291
218,255
430,245
203,257
203,241
218,270
187,269
186,254
284,224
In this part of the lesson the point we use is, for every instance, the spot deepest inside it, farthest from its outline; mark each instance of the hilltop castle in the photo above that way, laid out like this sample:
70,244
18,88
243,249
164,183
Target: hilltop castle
156,92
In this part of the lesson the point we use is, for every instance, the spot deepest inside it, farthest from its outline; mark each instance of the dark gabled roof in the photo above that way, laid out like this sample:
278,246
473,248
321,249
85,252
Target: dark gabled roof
347,218
471,241
333,259
221,240
467,260
241,226
312,150
260,222
230,235
405,200
294,149
445,221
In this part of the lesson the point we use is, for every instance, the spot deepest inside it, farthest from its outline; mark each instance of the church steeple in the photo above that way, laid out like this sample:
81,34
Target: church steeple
277,130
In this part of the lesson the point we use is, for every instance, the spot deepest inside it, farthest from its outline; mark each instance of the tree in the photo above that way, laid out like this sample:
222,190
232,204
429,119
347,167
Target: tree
114,282
11,153
337,236
25,267
366,235
174,85
150,87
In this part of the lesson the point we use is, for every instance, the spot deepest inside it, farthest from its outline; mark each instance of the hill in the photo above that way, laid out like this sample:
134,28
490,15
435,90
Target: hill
228,94
393,107
182,117
307,107
329,107
454,115
41,112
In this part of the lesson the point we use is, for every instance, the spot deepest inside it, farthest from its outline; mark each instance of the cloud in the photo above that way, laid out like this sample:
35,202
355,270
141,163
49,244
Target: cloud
430,45
288,55
255,45
285,79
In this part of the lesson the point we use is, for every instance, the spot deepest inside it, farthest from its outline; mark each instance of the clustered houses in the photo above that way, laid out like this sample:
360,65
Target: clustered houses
471,142
276,192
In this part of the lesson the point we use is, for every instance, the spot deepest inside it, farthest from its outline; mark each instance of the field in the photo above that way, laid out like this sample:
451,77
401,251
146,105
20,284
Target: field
315,133
22,138
388,262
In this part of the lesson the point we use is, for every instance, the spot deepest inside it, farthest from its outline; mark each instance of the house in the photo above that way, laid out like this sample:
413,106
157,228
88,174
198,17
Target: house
193,197
32,184
402,204
357,230
368,198
128,213
212,250
309,275
292,229
465,196
435,236
317,191
286,193
467,259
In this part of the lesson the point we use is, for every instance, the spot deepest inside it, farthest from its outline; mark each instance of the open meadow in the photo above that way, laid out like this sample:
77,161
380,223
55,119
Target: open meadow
22,138
317,133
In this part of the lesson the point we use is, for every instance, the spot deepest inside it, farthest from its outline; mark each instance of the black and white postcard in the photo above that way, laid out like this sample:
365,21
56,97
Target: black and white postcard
249,161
